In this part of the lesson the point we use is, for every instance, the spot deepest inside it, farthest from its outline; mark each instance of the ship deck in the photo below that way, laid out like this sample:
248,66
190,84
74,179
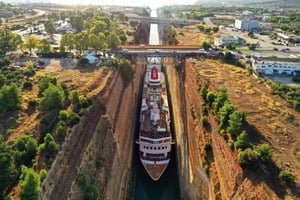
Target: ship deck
155,170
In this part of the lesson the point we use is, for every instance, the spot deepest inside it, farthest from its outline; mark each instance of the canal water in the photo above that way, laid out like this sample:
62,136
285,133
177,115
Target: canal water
167,187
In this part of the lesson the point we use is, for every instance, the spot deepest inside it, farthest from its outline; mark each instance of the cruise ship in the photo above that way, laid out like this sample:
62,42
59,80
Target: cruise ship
155,136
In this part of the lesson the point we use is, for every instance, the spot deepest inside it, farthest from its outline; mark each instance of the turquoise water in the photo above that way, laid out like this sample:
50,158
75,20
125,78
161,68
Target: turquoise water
166,188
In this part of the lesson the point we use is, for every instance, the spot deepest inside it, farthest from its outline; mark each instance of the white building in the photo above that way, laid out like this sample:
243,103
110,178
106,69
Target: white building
276,67
219,41
247,24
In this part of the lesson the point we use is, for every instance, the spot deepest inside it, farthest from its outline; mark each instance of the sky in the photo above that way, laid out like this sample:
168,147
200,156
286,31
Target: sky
150,3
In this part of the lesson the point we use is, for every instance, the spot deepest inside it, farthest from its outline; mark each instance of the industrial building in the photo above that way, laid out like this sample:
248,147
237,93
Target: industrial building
276,67
247,24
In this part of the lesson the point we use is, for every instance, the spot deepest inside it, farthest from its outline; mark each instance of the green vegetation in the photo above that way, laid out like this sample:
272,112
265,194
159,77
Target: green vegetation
45,82
30,184
206,46
7,165
260,153
289,93
49,27
10,97
286,177
233,122
25,150
53,98
204,121
91,192
9,41
49,148
31,42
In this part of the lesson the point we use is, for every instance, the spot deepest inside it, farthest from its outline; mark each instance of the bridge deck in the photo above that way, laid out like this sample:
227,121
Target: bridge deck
169,47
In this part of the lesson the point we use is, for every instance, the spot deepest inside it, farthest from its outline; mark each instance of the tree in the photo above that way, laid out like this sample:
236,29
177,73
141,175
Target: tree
229,57
45,82
113,41
44,47
68,40
210,97
286,177
91,192
7,166
9,41
264,151
31,43
77,22
240,142
203,92
248,157
97,42
235,123
206,46
220,99
30,184
49,27
49,147
26,148
82,180
2,80
53,98
224,113
127,70
10,97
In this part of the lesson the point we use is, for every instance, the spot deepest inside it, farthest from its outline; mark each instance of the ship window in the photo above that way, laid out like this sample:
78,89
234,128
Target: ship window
158,148
150,147
163,147
154,148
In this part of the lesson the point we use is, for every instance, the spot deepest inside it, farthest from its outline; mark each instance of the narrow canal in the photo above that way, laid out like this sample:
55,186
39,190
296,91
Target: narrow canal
167,187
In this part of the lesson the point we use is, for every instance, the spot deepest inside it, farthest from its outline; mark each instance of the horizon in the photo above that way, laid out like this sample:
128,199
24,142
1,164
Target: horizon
152,4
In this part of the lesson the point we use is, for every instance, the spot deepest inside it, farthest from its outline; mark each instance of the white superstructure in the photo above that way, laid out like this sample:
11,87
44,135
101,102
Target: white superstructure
155,137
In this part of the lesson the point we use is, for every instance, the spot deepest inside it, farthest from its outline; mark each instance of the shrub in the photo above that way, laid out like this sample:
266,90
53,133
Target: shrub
82,180
240,142
248,157
203,92
83,62
49,147
53,98
226,110
220,99
45,82
264,151
27,85
63,115
84,101
30,184
235,123
43,174
204,121
2,80
210,97
99,162
231,144
10,97
61,130
296,79
286,177
91,192
26,148
73,119
127,70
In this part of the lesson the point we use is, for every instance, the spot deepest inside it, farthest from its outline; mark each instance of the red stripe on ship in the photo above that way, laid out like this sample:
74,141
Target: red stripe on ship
154,73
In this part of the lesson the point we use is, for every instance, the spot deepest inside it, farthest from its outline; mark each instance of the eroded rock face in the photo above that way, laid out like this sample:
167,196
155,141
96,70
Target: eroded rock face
107,132
141,35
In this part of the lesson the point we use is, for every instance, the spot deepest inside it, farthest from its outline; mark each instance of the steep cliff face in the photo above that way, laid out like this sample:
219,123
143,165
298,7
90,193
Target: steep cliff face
106,132
227,180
